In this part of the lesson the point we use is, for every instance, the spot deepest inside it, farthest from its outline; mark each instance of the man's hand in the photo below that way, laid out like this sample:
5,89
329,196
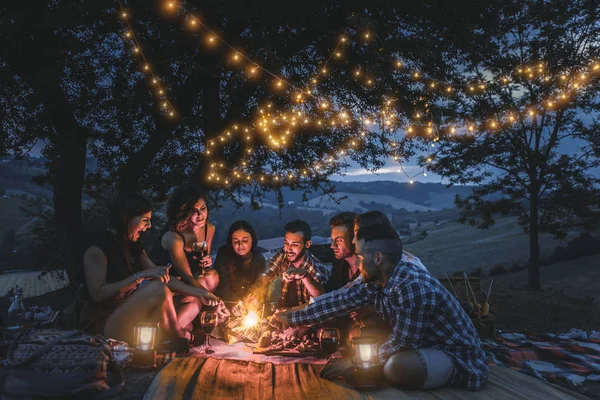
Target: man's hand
336,368
293,274
280,320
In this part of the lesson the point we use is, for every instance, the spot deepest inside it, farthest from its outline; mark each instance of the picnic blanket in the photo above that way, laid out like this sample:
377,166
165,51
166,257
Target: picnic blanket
243,352
210,378
573,356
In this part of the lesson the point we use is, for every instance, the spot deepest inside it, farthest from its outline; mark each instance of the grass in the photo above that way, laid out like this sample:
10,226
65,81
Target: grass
31,282
457,247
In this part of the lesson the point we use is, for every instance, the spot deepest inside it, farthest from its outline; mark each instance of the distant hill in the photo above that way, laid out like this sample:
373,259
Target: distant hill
412,197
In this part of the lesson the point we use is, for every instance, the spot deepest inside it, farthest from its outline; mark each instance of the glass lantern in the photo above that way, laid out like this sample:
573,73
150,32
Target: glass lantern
144,355
365,351
367,371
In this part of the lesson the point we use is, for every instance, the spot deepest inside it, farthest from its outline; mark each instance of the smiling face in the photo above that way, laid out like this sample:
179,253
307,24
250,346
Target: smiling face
138,225
199,214
295,246
341,242
241,242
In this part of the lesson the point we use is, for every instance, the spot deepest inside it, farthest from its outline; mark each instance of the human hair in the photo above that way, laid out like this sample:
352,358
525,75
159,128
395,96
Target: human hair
381,238
235,260
371,218
241,226
299,225
124,208
345,218
182,201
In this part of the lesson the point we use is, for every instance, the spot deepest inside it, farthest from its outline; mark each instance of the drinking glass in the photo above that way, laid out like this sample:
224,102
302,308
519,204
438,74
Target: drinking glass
208,320
329,339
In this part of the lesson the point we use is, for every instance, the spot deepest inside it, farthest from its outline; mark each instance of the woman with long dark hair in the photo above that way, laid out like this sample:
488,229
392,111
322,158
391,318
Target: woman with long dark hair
115,265
238,262
188,242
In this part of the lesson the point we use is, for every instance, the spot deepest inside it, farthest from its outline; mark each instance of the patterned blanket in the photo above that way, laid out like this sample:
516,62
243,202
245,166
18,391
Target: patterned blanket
573,356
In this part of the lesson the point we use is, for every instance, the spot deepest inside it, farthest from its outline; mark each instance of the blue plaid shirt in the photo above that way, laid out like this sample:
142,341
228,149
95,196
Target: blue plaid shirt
421,312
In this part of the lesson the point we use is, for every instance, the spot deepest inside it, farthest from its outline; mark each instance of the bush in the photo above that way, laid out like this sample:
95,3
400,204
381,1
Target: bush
497,269
458,274
516,267
477,273
583,245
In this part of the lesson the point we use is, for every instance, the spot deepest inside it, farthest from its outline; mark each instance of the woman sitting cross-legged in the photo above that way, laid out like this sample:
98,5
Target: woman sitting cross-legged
115,265
187,246
238,262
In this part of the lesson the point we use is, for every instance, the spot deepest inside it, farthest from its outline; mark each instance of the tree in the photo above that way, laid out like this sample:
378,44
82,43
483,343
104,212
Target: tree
530,139
69,80
7,247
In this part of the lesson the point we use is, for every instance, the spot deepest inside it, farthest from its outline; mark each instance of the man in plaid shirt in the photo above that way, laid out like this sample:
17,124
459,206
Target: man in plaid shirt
302,274
433,342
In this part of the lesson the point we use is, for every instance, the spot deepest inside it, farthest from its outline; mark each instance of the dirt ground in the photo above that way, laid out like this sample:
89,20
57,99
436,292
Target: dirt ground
567,301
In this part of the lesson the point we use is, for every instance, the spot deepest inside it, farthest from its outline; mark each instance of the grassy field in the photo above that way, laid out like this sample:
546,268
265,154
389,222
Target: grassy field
31,282
457,247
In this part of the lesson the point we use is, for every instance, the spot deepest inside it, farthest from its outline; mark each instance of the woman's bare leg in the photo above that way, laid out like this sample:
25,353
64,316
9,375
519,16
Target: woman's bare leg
151,303
188,308
210,280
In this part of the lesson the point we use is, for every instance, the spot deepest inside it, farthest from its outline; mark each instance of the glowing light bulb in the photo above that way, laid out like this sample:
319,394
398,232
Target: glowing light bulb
364,351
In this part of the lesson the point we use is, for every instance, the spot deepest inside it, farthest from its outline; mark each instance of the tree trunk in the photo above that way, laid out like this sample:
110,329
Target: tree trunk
533,277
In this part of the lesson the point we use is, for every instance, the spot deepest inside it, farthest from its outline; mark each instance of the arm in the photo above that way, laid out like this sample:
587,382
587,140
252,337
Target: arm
174,245
210,234
94,267
314,288
412,307
221,265
316,278
339,303
273,270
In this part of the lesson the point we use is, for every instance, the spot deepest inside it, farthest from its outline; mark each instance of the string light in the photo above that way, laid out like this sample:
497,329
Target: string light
131,37
531,71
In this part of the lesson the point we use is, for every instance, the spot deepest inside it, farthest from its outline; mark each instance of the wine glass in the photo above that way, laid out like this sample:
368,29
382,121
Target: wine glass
329,339
208,320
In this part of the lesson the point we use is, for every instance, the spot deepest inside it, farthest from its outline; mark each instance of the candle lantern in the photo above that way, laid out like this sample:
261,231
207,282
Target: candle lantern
366,370
144,355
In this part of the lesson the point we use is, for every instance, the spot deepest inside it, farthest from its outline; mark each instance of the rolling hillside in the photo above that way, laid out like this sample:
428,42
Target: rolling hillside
456,247
352,202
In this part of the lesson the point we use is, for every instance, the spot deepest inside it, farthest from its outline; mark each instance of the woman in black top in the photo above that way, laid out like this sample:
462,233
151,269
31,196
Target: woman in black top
238,262
115,265
187,246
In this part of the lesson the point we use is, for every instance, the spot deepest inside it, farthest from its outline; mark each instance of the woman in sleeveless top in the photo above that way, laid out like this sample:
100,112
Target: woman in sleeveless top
114,266
187,245
238,262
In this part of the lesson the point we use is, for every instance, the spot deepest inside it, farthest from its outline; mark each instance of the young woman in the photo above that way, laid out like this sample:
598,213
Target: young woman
114,266
238,262
188,242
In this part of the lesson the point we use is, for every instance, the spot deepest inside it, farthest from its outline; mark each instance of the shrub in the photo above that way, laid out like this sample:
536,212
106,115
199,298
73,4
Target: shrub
476,273
497,269
516,267
458,274
583,245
